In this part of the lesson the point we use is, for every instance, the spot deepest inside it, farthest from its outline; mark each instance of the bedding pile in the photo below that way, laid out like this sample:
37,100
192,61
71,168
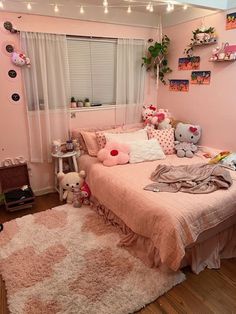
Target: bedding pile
195,179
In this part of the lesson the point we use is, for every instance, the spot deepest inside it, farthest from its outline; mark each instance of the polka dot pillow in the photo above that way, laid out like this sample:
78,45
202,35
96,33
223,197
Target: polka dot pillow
165,138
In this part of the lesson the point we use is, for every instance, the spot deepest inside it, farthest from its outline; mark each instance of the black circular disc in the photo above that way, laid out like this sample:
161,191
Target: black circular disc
9,48
8,25
12,73
15,97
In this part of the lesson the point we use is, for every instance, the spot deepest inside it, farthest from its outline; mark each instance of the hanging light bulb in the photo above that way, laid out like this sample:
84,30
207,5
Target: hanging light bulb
151,8
106,10
1,5
81,11
148,6
129,9
105,3
29,7
56,9
185,7
172,7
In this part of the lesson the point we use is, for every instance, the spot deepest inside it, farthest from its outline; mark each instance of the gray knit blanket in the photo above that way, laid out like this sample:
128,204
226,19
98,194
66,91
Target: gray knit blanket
196,179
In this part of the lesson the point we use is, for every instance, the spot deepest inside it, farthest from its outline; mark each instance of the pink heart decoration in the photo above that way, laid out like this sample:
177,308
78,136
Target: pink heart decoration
192,129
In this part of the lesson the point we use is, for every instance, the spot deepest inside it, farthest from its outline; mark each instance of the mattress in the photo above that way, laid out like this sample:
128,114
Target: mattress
171,221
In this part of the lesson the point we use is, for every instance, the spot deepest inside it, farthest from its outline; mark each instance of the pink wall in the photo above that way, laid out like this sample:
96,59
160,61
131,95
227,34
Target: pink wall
13,126
212,106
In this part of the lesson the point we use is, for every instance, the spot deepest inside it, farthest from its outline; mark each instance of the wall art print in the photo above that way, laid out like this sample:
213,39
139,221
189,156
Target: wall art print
191,63
231,21
201,77
179,85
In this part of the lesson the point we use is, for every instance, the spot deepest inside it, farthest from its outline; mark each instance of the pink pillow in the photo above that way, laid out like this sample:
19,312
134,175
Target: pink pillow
165,138
114,154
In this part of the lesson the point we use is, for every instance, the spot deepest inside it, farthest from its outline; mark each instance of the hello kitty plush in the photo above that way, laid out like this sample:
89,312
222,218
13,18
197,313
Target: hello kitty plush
187,136
20,59
148,112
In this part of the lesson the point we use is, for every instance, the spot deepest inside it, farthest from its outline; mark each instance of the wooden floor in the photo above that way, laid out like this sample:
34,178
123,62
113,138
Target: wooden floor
212,291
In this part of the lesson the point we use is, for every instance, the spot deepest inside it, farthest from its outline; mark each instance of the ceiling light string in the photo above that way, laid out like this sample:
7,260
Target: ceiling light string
81,10
1,5
29,6
56,9
129,10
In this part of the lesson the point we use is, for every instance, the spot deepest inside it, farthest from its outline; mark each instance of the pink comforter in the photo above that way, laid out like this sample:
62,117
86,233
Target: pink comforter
172,221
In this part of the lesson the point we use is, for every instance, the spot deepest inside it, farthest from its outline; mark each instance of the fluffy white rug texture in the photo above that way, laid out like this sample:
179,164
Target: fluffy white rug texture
65,260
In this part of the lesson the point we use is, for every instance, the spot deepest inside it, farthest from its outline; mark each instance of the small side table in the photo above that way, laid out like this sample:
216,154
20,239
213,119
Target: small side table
59,167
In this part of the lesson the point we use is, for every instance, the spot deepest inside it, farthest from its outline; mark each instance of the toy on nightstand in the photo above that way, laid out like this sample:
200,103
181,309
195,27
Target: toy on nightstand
69,182
187,136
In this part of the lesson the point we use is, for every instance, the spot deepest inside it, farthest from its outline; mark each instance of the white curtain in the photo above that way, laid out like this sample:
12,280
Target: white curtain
47,91
131,75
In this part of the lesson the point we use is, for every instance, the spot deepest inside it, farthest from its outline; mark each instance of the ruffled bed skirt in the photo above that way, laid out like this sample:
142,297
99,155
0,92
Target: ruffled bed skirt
207,253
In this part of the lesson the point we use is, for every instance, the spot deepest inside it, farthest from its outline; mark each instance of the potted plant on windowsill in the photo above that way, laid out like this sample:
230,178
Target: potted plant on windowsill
87,102
73,102
156,58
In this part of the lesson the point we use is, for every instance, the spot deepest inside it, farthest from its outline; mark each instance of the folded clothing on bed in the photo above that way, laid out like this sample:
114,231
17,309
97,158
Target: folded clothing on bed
195,179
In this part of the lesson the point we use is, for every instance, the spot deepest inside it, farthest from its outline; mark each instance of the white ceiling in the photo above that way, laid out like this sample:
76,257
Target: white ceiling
94,10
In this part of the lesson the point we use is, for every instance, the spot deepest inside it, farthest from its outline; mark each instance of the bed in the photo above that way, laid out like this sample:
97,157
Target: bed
176,229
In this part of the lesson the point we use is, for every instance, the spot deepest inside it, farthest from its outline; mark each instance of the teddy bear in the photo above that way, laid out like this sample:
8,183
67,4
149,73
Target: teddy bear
72,183
187,135
164,119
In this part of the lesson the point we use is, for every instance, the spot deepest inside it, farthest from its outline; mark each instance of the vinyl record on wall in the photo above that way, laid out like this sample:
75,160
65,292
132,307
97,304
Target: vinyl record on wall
8,25
12,74
15,98
8,47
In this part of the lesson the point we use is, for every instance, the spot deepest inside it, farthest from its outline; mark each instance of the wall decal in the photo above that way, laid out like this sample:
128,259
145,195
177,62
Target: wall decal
179,85
231,21
12,74
15,97
201,77
191,63
9,48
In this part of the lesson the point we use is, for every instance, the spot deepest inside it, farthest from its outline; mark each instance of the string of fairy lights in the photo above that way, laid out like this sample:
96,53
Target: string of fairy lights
131,4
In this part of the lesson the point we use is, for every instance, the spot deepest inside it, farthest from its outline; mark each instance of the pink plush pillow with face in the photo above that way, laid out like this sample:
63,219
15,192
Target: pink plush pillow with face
114,154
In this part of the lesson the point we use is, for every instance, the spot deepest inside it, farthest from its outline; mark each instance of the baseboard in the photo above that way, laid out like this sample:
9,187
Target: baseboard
44,191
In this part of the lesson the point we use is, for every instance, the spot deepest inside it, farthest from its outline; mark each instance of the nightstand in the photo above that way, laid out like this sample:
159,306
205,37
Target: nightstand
71,156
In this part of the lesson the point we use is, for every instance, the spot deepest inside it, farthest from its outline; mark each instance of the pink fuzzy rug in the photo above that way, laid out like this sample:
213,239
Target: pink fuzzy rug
65,260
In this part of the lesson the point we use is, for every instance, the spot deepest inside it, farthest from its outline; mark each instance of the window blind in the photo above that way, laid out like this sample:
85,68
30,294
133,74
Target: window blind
92,67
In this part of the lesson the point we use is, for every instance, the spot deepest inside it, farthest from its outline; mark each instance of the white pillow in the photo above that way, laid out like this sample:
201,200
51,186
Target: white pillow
126,137
145,150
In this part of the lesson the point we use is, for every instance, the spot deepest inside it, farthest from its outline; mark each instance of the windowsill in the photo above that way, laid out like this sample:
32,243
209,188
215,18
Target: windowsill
96,108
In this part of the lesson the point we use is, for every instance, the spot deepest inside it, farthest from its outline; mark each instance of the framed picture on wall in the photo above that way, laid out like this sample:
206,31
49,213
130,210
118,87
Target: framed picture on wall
201,77
231,21
179,85
191,63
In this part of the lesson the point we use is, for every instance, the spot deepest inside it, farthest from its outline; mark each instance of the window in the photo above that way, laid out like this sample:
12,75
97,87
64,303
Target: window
92,67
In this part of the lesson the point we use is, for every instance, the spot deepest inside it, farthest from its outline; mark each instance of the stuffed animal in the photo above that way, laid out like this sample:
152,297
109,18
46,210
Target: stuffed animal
85,194
164,119
114,154
148,112
20,59
69,182
187,136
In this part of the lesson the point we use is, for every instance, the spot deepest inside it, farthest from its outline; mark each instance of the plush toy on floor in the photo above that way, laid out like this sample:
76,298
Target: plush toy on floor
187,136
72,182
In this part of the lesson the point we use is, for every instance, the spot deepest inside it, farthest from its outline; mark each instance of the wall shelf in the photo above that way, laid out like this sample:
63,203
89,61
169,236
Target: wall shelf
224,60
205,43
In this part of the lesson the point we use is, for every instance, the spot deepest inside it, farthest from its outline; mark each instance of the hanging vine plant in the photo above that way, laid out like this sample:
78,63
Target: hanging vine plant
200,36
156,58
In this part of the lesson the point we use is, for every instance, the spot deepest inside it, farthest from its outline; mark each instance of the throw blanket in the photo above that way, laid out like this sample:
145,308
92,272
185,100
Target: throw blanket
196,178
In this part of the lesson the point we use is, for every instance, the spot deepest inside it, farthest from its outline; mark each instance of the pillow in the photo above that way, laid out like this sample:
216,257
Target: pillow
90,142
165,138
88,134
101,138
127,137
114,154
145,150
